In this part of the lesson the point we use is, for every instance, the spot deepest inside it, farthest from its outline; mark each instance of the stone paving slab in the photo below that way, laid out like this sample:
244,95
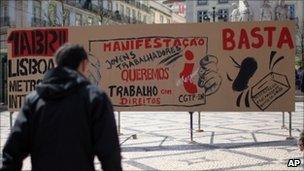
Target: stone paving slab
230,141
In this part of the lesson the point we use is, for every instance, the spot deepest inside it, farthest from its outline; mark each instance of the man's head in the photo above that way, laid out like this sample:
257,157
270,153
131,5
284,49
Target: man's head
73,57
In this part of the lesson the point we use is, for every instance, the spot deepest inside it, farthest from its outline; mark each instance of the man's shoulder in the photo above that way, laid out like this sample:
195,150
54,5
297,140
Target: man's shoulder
32,97
94,90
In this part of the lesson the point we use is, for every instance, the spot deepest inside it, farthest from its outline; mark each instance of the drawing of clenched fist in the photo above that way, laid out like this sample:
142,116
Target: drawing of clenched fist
209,78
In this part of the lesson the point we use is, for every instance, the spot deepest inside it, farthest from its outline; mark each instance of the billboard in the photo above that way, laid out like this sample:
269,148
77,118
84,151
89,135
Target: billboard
171,67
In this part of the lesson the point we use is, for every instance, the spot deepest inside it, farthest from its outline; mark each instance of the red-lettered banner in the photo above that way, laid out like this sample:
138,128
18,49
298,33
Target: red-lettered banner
180,67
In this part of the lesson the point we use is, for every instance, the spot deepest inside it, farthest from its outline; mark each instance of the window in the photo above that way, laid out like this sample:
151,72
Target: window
37,12
37,9
223,14
78,20
202,16
100,3
66,15
4,12
161,19
90,21
153,17
128,12
110,5
138,4
145,19
202,2
291,11
222,1
139,15
116,7
122,9
133,14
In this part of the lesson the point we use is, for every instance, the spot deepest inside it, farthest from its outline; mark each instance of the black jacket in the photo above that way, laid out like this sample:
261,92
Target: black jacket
63,124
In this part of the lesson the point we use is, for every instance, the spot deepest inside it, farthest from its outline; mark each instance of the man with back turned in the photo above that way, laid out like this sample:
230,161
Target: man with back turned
65,122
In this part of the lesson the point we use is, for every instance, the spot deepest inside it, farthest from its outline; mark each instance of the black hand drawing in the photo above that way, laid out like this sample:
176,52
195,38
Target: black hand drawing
209,78
247,69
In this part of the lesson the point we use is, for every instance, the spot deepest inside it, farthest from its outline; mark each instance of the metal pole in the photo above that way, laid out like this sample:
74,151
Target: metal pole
11,120
213,14
191,127
283,121
290,137
199,123
3,78
302,44
118,123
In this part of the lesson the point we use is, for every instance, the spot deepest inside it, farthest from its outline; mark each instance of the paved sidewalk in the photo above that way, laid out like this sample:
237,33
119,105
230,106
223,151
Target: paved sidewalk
231,140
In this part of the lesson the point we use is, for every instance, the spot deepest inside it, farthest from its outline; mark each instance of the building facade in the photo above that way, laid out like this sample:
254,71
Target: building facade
165,13
199,11
220,10
49,13
41,13
177,6
160,13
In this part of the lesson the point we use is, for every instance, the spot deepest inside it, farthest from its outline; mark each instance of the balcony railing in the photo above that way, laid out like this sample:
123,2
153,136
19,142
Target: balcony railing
138,5
38,22
96,8
5,21
223,1
71,2
115,16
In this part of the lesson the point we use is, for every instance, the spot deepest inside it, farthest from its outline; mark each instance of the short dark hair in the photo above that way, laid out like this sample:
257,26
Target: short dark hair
70,56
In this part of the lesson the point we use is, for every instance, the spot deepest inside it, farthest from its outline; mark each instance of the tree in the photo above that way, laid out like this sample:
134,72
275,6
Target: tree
103,14
51,13
64,13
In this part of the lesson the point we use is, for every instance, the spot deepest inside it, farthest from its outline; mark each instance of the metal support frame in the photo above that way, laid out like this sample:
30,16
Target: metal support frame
199,123
290,137
118,124
11,120
191,127
133,136
3,79
283,121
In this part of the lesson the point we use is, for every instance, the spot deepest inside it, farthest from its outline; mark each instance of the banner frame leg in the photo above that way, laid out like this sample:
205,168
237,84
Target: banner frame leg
11,120
290,137
283,121
118,124
199,123
191,127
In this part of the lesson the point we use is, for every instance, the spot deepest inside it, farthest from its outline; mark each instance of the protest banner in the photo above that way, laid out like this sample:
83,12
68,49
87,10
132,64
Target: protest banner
170,67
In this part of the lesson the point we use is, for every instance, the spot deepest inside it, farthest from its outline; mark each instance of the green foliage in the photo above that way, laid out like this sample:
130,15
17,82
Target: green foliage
52,13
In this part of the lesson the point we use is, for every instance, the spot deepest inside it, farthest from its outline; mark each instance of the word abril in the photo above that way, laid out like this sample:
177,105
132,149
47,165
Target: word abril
39,42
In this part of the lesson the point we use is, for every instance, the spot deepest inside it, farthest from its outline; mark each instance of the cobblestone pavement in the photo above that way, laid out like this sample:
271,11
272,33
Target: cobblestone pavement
231,140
